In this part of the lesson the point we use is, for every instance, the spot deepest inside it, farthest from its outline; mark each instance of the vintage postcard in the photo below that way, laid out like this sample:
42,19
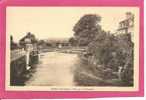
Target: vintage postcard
67,48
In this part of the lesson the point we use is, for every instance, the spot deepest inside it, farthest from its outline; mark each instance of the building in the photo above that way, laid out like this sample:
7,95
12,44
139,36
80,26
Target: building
126,26
29,42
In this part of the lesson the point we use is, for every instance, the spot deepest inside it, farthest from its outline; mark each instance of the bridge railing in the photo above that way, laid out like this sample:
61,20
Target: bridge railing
16,54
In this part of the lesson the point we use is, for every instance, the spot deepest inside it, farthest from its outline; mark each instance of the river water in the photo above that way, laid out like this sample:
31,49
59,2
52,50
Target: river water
54,69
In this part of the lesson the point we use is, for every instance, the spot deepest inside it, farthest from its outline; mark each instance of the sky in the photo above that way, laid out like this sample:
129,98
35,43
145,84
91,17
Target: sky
58,22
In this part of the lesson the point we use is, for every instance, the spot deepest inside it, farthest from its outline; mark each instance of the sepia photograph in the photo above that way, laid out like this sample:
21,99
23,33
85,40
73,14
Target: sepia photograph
72,48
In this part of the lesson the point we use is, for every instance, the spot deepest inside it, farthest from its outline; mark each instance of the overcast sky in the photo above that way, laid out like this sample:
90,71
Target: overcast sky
58,22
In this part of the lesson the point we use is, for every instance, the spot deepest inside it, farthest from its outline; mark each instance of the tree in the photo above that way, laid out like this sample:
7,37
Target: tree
126,57
73,41
11,38
86,29
13,45
41,42
114,52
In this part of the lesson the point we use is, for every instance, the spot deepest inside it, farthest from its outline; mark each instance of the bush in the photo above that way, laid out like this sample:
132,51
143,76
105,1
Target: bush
114,52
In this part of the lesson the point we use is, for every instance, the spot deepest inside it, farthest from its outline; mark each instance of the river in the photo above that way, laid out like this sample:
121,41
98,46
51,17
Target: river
54,69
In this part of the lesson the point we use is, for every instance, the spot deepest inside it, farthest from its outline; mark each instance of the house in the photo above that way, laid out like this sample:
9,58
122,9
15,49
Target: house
28,42
13,45
126,26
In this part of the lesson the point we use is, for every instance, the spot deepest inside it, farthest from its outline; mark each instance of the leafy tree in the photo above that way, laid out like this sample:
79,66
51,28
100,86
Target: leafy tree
114,52
41,42
73,41
13,45
86,29
126,57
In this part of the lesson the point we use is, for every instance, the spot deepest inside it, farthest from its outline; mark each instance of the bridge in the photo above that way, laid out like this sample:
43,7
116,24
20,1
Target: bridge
21,60
16,54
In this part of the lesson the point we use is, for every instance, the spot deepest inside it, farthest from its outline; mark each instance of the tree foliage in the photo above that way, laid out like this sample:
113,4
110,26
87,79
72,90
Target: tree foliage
86,29
73,41
114,52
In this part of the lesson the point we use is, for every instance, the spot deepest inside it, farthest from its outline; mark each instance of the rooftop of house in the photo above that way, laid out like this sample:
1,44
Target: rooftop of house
29,36
129,16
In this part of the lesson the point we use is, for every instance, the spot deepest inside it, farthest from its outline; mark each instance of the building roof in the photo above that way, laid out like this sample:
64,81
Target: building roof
28,36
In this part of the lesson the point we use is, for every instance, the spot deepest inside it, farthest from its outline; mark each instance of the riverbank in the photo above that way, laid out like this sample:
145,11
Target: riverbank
87,74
